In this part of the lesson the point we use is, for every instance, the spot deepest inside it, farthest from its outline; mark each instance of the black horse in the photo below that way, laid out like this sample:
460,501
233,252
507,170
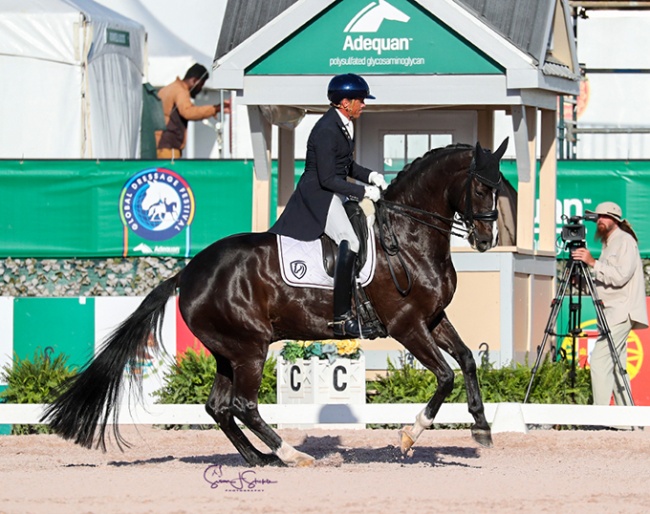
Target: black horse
233,299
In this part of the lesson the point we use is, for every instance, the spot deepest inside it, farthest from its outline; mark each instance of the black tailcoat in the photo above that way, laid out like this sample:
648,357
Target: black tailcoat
328,163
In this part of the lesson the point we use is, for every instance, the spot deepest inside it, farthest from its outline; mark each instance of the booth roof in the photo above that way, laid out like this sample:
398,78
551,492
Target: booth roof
516,20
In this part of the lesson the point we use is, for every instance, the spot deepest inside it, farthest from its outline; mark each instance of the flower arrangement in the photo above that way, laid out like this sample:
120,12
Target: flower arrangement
330,349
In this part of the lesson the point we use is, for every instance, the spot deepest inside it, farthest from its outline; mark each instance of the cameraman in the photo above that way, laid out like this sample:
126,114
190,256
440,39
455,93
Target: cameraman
620,284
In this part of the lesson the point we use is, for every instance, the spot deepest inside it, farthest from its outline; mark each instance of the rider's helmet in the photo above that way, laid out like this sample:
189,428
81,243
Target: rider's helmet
348,85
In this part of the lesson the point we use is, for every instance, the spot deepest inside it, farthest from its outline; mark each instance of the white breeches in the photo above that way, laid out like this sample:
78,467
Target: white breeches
338,225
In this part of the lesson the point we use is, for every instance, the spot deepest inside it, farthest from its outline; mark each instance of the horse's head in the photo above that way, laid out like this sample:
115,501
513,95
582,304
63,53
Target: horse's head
479,207
455,180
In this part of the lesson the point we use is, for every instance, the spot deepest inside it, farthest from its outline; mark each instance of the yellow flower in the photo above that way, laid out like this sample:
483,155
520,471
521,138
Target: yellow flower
347,346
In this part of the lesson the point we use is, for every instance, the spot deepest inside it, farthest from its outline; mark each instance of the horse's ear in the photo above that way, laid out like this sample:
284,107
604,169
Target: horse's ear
478,155
502,149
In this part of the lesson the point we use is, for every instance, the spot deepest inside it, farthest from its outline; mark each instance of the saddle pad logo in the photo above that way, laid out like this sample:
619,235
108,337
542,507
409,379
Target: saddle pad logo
157,204
298,268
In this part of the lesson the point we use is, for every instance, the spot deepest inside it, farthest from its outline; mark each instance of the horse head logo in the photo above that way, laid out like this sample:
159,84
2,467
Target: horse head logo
298,268
144,248
370,18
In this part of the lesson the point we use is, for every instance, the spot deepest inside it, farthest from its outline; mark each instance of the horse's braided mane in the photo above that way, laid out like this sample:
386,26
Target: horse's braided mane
424,162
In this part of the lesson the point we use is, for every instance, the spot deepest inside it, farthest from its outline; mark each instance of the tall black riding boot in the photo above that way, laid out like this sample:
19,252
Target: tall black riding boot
345,324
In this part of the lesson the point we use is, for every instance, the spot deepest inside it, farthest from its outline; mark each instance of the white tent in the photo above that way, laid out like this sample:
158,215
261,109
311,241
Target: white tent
71,80
168,54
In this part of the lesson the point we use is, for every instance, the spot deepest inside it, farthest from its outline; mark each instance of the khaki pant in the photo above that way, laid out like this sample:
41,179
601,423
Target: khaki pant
169,153
605,376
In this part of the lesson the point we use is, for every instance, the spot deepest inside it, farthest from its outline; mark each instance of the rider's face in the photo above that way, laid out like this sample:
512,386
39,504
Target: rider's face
354,108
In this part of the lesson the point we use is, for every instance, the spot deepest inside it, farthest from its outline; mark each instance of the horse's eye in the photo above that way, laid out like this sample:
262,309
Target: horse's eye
479,193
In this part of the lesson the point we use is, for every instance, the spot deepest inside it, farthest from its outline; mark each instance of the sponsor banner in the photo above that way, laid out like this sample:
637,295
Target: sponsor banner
638,345
77,327
121,208
378,37
582,185
59,209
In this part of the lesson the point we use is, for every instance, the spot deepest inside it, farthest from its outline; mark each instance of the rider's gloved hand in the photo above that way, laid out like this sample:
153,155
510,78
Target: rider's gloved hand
378,180
372,192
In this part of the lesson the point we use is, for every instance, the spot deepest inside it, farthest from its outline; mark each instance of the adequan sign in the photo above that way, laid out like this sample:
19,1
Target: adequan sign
376,37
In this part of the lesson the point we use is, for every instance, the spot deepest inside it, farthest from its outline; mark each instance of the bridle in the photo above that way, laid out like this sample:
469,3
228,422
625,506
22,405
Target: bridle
467,217
390,244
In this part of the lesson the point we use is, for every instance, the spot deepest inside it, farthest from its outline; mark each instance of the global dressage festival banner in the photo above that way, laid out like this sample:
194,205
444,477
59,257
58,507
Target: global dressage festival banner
88,208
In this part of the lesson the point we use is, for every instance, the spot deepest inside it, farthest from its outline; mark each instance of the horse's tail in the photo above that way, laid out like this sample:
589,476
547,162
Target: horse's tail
91,397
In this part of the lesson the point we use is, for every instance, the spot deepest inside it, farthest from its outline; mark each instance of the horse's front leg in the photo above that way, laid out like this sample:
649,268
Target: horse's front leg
448,339
423,347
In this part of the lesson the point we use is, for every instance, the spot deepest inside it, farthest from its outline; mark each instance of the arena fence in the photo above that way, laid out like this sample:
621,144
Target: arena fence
504,417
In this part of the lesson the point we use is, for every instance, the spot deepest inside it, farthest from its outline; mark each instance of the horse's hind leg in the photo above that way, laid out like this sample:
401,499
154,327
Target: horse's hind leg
218,406
448,339
246,384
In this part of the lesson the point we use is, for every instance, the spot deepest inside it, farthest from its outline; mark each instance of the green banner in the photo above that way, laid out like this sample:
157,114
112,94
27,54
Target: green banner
582,185
109,208
61,209
355,36
65,326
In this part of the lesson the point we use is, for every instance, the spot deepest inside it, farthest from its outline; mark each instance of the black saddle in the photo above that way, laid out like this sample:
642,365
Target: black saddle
330,248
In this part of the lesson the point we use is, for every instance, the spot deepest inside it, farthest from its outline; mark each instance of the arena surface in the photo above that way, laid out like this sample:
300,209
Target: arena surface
356,471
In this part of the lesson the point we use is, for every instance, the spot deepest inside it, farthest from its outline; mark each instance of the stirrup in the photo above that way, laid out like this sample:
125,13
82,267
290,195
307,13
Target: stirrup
348,326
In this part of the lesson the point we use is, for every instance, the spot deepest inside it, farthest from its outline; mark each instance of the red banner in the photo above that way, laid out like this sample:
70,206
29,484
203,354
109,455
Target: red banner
184,338
638,344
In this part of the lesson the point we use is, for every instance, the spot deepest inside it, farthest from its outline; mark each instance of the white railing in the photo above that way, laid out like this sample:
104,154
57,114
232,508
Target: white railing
504,417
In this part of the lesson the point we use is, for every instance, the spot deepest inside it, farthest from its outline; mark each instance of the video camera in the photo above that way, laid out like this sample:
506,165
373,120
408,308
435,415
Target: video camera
574,232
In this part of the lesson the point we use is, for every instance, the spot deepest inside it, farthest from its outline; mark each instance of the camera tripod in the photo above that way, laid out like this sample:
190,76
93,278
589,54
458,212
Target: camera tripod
576,275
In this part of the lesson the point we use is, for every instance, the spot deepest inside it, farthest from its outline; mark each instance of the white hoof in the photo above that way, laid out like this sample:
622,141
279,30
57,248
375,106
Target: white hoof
406,439
292,457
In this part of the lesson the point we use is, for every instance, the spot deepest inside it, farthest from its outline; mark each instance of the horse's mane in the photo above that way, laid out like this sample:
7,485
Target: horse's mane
428,160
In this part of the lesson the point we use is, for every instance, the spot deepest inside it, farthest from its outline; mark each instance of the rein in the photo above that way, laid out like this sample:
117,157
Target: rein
404,209
467,217
391,247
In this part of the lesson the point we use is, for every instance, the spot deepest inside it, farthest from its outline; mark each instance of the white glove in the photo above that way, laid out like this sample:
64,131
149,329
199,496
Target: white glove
377,179
372,193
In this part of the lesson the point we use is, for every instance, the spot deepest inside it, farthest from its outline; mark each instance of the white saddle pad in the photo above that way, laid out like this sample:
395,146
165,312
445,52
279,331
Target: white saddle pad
301,263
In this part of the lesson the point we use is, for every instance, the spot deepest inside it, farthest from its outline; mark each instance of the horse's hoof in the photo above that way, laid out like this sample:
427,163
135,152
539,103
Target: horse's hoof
482,437
406,439
305,461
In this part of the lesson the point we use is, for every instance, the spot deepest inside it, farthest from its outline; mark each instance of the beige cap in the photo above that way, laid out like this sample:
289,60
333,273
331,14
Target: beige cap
610,209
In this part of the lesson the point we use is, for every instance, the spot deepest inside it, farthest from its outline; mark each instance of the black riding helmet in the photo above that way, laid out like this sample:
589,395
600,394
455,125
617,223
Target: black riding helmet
348,85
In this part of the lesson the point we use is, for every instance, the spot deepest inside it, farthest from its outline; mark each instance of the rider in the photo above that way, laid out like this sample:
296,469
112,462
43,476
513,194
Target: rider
316,206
